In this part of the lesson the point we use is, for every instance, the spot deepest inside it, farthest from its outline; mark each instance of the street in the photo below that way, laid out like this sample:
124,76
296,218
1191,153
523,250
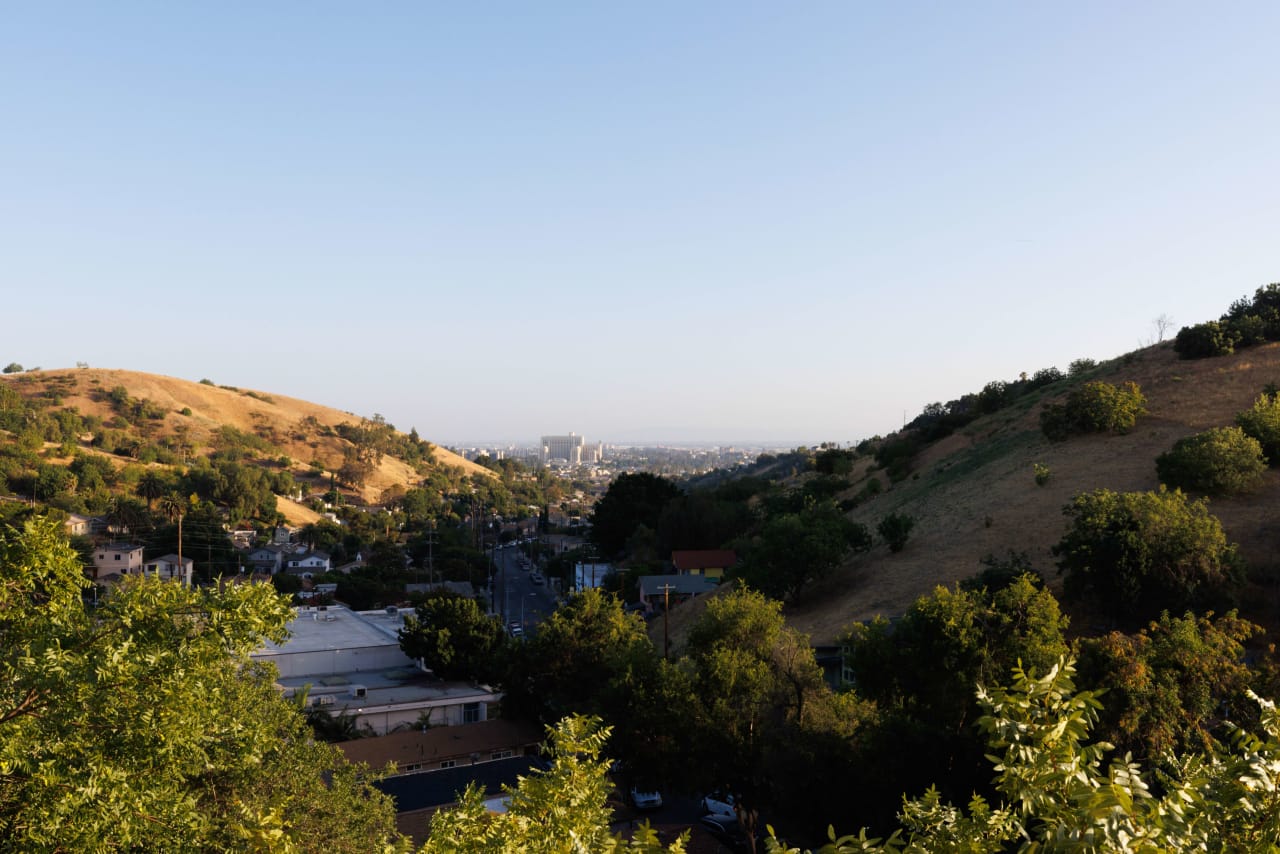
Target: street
513,594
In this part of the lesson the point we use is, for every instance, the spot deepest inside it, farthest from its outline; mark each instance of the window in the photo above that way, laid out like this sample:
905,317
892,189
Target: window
117,557
414,767
470,713
448,763
501,754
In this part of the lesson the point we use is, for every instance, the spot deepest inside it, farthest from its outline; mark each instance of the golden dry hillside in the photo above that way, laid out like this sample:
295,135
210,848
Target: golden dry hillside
974,494
299,429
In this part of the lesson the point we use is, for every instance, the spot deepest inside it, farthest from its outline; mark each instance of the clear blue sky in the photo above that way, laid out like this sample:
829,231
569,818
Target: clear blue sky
720,221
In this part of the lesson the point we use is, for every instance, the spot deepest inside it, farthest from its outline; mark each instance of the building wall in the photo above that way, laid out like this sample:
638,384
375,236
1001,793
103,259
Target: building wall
104,559
451,713
352,660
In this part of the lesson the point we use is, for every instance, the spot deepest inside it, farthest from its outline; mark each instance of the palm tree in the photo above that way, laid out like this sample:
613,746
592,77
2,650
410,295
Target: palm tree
150,486
174,507
124,515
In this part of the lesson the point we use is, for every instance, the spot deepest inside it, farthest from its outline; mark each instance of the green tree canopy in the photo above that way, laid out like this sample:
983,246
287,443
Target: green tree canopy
583,647
920,672
1262,422
1054,793
794,549
760,704
564,809
631,500
455,638
144,725
1094,407
1173,685
895,529
1140,553
1221,461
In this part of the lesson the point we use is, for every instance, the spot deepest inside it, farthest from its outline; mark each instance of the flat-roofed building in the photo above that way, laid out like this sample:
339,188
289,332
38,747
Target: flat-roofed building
351,662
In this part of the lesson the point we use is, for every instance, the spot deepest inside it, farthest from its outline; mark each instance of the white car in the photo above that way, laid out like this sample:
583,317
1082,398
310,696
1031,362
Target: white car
719,803
645,800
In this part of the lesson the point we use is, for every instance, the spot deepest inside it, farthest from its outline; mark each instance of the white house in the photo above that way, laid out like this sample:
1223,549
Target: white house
171,566
307,564
267,559
116,559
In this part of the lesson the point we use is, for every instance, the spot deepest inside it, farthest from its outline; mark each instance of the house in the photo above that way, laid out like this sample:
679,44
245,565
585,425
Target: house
171,566
307,564
266,559
77,525
713,563
657,590
117,559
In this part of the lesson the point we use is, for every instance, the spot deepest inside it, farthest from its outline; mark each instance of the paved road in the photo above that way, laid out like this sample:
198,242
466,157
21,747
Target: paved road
514,595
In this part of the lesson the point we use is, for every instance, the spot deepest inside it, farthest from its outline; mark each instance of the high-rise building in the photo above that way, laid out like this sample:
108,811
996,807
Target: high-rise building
566,448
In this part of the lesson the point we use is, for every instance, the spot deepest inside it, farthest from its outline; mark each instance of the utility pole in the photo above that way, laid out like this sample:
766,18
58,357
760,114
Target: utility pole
666,612
431,542
182,567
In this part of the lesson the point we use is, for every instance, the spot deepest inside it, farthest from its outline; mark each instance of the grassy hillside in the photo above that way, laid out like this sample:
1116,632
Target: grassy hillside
974,493
193,416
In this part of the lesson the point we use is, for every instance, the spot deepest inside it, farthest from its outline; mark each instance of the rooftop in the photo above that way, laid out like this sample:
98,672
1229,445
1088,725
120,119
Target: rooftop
393,687
415,747
320,628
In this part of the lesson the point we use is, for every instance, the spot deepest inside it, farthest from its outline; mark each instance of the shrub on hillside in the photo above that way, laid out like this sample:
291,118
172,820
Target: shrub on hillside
1262,422
1140,553
1221,461
1094,407
1081,366
894,529
1247,331
1204,340
896,453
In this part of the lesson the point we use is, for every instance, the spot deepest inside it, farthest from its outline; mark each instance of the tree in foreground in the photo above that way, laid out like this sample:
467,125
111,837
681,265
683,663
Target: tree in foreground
563,809
144,725
1173,685
920,673
1056,794
1141,553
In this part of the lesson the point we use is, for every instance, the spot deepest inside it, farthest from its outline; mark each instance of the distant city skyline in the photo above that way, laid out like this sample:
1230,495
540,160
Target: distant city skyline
669,222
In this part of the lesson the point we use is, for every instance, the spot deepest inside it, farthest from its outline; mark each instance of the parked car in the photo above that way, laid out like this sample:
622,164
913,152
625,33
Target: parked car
643,798
719,803
536,578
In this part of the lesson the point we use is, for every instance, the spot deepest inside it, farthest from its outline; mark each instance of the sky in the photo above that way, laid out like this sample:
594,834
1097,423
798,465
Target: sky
661,221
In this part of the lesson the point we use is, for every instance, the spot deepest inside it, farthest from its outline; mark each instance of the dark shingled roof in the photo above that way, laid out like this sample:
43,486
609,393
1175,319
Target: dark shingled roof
437,788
